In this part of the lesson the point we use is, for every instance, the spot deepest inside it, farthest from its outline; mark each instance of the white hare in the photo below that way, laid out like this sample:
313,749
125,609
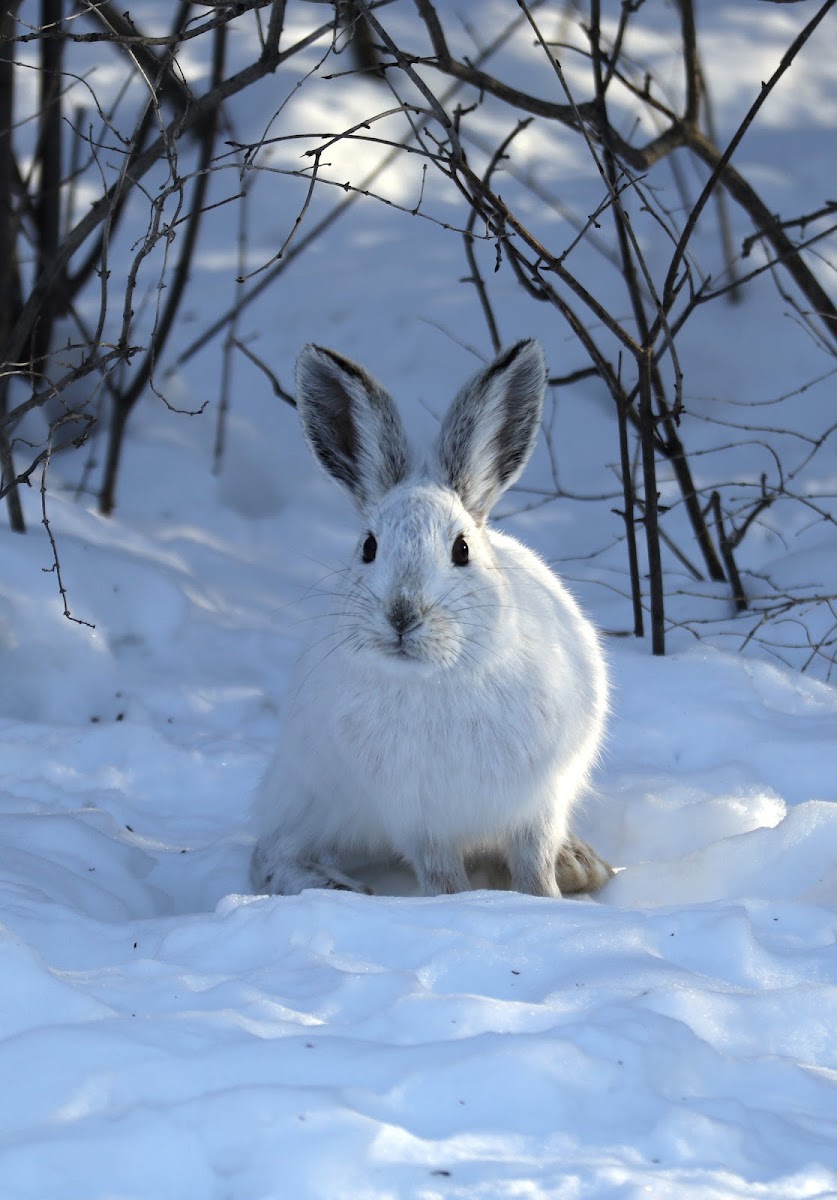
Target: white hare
453,711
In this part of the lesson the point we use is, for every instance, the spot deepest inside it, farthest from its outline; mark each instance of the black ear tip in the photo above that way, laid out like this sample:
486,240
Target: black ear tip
531,348
315,356
527,353
523,369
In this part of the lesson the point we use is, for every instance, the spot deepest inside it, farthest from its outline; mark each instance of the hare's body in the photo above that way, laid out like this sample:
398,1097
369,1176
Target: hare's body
452,706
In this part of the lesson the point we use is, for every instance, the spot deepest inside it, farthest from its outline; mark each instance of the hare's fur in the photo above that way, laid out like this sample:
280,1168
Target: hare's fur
453,711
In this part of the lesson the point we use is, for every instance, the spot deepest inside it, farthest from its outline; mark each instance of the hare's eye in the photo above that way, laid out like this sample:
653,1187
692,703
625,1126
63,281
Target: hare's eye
459,552
370,548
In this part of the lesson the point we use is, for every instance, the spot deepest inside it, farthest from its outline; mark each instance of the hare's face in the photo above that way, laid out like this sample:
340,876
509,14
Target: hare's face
424,590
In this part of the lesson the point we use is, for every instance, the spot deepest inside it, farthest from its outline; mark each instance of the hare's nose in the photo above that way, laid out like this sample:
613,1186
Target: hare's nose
402,615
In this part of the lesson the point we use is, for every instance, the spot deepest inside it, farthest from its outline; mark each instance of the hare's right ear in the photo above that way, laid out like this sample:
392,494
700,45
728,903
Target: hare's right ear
351,425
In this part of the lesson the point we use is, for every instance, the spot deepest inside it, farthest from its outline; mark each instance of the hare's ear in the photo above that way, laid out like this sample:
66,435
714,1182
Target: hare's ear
351,424
490,430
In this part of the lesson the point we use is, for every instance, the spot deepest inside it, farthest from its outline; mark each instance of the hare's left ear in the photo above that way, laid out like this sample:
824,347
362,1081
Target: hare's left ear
490,429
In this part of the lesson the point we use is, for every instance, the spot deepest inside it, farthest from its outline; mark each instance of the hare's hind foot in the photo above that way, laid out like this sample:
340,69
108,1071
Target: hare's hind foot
578,868
277,875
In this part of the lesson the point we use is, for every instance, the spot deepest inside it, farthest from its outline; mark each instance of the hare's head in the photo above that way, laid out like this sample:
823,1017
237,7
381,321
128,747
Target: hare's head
424,588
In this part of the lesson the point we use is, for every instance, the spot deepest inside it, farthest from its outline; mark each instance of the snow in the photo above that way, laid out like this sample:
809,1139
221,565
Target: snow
164,1034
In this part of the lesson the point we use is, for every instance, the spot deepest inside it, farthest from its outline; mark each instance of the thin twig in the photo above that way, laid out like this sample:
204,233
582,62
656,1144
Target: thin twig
278,390
56,562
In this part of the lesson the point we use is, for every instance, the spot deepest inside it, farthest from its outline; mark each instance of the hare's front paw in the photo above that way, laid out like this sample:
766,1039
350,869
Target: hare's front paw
439,869
578,868
338,882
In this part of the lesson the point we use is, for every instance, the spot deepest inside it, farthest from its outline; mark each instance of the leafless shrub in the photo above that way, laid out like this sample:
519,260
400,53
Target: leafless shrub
146,150
681,517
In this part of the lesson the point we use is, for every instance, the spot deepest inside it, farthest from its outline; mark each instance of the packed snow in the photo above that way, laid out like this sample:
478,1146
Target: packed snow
165,1034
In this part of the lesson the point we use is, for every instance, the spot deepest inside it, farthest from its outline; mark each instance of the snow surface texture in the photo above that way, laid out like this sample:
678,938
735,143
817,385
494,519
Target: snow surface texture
166,1036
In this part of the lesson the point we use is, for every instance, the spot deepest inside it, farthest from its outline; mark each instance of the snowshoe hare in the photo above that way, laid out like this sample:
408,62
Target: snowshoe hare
453,711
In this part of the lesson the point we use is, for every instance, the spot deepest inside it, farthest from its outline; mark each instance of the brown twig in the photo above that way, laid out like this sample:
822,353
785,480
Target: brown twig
278,391
56,562
726,544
